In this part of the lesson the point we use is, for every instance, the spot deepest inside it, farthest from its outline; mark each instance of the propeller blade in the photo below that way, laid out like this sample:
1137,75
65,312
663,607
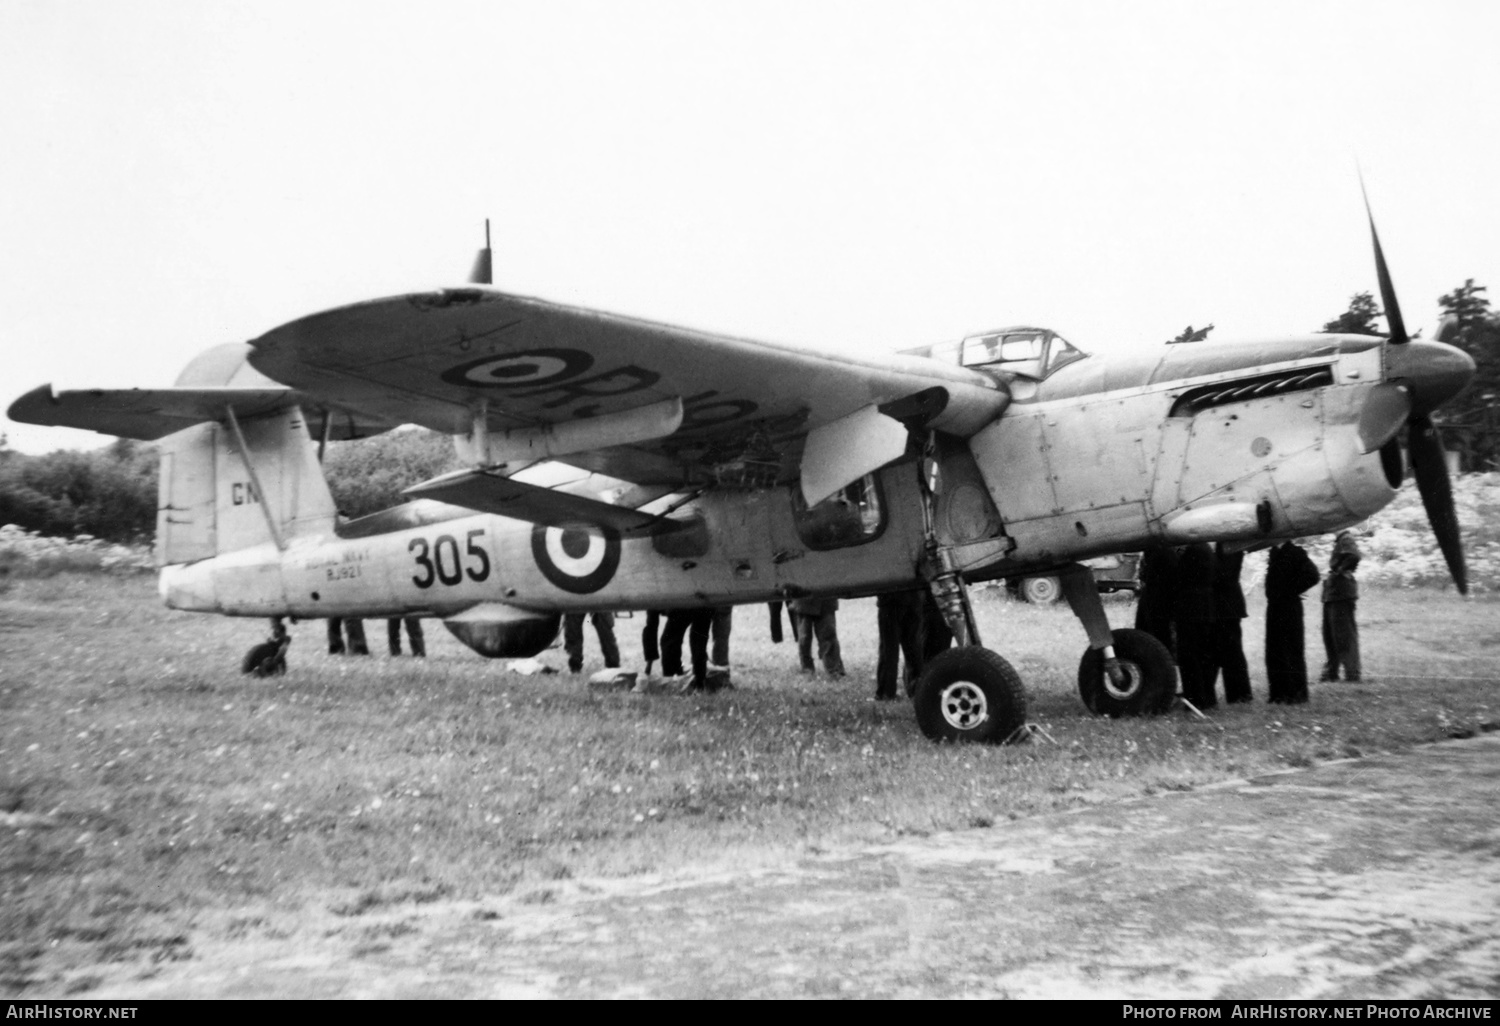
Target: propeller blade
1387,290
1431,471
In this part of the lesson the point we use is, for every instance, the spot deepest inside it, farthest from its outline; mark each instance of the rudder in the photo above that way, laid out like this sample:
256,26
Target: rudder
240,483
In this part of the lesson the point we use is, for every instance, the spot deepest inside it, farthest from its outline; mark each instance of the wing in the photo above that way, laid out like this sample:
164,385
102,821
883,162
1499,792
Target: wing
152,413
639,401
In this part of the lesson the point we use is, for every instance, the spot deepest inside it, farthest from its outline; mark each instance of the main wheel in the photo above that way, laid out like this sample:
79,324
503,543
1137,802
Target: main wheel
970,694
1041,591
1150,677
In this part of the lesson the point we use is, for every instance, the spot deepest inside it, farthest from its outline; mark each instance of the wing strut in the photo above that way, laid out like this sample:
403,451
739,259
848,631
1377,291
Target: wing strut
260,495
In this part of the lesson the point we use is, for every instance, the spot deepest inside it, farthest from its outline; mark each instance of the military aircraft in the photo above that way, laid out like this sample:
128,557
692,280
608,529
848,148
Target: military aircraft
614,463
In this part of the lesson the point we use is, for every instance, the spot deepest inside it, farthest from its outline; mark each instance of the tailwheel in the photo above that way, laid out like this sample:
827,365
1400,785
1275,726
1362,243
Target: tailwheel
1149,677
269,657
970,694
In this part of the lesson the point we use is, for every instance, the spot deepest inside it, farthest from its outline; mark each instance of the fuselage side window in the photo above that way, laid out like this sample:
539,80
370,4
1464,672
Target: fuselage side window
1016,348
1020,352
852,516
1031,352
981,350
1061,354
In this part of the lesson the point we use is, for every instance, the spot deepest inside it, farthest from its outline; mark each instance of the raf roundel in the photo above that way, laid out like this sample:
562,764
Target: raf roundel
577,559
520,370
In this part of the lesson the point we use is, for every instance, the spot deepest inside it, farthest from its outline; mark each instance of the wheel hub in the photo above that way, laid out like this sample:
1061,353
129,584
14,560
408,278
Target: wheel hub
963,705
1132,685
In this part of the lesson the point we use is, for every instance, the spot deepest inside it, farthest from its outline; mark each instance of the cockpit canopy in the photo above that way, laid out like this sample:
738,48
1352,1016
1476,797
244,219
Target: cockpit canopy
1029,352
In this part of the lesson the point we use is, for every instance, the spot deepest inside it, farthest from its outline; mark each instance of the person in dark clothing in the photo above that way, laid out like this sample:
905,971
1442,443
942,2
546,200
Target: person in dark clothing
718,624
700,624
898,617
937,636
353,629
413,633
1192,621
674,630
1340,594
696,624
1289,573
650,635
604,626
1228,642
673,633
693,624
775,610
1153,605
817,618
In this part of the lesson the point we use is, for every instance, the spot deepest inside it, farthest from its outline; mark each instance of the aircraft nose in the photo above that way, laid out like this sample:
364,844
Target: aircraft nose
1435,371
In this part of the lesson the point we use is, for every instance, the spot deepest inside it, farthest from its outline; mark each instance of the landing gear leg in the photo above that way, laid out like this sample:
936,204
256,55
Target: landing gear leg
967,693
1124,672
952,595
269,657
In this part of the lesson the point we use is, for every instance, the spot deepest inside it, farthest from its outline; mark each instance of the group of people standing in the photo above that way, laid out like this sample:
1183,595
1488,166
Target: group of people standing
346,636
706,629
1191,601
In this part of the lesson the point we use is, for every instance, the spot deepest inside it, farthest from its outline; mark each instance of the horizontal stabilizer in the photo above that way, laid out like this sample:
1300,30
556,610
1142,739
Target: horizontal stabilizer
151,413
507,497
143,413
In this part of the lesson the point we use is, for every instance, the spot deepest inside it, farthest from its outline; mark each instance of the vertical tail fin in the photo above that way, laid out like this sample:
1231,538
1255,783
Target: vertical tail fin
232,485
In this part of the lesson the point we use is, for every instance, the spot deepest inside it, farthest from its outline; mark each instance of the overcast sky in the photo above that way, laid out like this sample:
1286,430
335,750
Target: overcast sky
175,175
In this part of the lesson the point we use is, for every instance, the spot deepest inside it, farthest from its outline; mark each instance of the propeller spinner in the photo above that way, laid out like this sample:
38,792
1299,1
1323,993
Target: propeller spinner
1430,373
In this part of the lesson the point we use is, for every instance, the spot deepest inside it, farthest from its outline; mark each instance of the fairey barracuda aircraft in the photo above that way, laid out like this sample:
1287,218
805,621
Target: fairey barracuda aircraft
619,464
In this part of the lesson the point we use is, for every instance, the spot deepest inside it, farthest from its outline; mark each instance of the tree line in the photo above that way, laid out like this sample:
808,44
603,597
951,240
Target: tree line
110,493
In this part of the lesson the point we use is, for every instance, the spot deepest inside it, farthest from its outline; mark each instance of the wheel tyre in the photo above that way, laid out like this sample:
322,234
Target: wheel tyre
1152,677
970,694
262,660
1041,591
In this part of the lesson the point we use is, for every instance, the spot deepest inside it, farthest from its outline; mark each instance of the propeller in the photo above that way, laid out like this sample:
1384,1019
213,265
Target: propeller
1383,273
1430,373
1431,469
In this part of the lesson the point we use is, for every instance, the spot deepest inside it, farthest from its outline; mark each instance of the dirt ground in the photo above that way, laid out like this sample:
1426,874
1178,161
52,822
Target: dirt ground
1368,878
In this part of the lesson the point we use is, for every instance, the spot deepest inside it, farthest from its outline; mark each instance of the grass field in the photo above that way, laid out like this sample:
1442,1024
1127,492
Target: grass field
150,794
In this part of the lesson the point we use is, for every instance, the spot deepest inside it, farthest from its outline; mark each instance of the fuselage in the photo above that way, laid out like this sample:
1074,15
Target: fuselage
1246,442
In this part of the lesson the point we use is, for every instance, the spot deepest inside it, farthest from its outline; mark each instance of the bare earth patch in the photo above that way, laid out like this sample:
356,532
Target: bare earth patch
441,826
1281,887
